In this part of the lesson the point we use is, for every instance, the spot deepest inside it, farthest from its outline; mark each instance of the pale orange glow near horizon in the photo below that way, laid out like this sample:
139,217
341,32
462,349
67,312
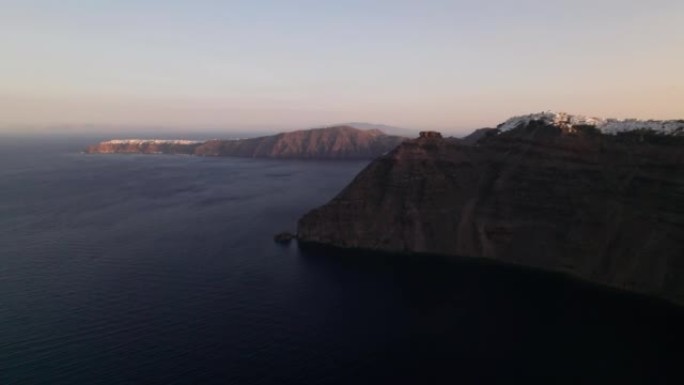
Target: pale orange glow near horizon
452,67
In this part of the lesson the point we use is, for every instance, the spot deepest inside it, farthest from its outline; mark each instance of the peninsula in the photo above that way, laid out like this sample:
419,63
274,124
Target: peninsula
337,142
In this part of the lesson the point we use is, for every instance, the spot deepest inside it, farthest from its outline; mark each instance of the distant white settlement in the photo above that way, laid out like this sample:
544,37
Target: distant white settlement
606,126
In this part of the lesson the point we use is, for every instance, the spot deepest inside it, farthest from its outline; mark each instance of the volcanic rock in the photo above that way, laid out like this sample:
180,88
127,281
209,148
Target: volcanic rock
561,193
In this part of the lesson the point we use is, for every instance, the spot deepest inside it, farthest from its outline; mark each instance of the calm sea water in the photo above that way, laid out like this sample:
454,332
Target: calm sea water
127,269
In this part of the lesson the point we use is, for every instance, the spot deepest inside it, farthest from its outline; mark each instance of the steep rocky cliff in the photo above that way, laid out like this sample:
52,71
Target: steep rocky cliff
553,192
340,142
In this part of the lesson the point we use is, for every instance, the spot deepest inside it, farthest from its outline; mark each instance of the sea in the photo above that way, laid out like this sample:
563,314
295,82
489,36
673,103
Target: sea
161,269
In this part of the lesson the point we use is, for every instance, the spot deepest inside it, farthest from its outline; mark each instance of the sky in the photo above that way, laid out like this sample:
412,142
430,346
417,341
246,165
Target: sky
242,65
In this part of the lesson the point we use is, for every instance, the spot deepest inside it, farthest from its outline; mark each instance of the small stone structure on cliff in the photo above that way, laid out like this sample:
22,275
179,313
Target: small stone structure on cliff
430,135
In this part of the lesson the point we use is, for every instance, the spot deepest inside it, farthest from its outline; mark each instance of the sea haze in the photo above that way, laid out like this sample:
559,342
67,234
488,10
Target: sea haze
146,269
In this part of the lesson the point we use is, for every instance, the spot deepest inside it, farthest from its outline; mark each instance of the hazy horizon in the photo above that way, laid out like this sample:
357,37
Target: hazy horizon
265,66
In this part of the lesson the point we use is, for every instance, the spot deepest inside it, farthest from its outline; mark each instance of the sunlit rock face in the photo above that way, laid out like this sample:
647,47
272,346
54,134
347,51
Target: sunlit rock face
339,142
553,192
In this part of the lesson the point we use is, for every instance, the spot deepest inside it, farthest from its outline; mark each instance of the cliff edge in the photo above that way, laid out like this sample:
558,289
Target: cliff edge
600,199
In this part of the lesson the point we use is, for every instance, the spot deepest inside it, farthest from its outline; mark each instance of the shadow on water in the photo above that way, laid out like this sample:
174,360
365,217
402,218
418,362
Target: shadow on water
466,319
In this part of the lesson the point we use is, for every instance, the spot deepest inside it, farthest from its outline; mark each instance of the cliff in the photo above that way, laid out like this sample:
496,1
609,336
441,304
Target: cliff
551,191
340,142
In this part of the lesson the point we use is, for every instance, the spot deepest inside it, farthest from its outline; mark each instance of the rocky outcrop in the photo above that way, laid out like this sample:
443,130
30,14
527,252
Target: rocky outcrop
284,238
340,142
559,195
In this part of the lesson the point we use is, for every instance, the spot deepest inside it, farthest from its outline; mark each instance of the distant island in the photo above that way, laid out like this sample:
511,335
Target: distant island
337,142
601,199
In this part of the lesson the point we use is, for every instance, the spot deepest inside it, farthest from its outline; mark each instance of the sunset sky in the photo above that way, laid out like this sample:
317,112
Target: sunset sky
236,65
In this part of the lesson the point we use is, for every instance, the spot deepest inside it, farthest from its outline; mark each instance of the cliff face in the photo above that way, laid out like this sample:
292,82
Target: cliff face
333,142
608,208
340,142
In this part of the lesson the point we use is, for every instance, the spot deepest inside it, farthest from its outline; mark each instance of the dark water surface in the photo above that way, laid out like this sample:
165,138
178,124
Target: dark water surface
127,269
